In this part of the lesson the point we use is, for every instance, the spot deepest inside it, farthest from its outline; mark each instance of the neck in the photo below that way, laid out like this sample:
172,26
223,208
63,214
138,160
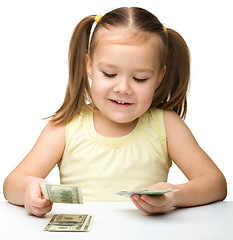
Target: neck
108,128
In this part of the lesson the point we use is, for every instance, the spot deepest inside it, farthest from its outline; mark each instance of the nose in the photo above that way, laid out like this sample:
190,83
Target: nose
122,86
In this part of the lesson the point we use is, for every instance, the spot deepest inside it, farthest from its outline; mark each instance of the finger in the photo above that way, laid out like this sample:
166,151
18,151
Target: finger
35,196
157,201
39,202
146,206
28,209
149,208
40,212
157,204
134,199
41,190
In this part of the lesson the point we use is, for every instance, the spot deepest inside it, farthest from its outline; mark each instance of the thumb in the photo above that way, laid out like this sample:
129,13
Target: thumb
39,200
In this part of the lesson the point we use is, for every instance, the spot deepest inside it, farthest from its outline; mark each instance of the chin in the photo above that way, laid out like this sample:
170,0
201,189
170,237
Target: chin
123,120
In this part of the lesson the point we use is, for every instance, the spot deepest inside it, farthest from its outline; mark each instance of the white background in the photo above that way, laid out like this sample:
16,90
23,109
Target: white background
34,40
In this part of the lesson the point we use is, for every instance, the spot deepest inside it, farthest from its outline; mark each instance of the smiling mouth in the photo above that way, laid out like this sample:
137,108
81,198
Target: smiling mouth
120,102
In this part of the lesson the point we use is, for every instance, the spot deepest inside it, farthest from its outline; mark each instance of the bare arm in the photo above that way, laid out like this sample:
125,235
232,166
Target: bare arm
24,181
206,182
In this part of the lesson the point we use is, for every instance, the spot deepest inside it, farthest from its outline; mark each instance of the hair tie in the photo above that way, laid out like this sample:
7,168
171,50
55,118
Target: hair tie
165,29
97,18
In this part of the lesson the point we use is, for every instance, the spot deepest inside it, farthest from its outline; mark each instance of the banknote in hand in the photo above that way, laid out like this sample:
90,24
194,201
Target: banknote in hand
62,193
150,192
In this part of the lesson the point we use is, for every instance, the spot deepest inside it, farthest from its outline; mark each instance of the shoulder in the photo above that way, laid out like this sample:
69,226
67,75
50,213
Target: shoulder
176,129
174,125
169,117
54,128
172,119
53,133
171,122
170,114
51,142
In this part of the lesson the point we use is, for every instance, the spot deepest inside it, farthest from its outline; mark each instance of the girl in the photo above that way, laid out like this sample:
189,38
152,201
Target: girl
125,138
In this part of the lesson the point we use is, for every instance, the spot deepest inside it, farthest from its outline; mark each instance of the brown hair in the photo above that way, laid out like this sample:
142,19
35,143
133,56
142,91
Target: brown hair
174,54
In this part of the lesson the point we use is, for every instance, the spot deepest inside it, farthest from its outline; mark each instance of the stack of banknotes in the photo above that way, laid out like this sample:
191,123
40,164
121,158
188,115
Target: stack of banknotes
69,223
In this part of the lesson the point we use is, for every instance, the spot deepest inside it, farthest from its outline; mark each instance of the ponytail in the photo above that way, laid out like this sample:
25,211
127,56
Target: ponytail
172,92
78,89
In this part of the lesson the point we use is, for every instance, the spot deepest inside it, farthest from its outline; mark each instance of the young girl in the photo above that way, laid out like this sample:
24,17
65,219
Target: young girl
123,131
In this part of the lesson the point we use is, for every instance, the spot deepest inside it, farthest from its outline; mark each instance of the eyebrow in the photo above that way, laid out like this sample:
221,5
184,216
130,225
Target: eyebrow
107,65
110,65
144,70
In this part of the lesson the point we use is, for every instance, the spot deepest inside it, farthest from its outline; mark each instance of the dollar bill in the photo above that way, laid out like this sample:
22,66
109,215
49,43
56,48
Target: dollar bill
151,192
69,223
62,193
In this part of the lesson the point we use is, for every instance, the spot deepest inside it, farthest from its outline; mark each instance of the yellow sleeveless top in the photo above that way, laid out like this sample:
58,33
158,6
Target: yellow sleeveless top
102,166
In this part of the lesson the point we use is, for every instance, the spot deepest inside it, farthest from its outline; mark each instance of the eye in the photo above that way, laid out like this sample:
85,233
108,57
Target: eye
109,75
140,79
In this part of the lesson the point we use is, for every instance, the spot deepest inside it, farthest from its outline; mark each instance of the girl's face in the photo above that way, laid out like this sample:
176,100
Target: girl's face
124,76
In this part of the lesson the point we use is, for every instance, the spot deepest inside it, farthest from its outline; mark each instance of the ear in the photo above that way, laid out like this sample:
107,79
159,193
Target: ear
89,66
161,75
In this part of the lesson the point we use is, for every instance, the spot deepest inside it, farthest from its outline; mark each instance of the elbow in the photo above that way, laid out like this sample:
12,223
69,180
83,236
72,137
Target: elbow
222,188
7,192
5,188
225,190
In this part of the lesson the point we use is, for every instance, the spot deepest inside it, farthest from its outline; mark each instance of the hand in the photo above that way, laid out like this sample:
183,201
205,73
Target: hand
156,204
34,202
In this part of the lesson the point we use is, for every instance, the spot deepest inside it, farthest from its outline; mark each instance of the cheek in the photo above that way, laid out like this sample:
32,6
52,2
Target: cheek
146,93
99,87
147,97
94,89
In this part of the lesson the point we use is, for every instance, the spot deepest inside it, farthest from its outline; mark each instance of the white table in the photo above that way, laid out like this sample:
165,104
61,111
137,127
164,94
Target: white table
121,220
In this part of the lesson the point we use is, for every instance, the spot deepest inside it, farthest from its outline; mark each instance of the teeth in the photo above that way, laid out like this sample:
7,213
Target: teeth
120,102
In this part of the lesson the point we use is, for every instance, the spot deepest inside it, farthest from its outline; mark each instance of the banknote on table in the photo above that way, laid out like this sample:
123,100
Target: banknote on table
151,192
69,223
62,193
